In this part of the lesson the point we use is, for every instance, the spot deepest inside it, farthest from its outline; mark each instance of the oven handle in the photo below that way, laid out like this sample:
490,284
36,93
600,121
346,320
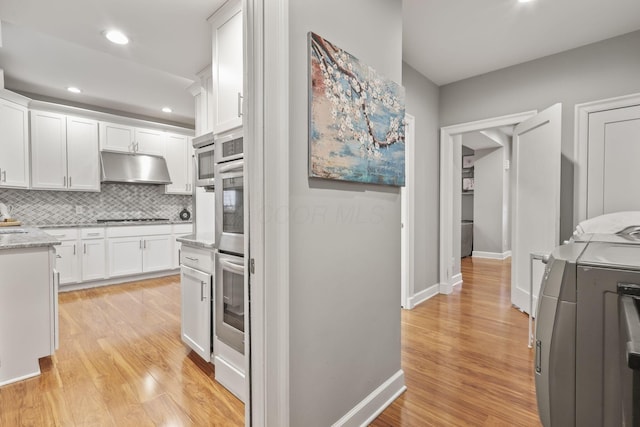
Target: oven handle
231,166
236,268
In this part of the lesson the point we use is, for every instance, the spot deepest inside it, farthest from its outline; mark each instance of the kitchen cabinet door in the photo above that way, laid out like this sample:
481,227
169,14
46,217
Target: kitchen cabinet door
178,164
14,162
227,67
67,262
195,289
93,259
157,253
125,255
83,163
149,141
116,137
48,150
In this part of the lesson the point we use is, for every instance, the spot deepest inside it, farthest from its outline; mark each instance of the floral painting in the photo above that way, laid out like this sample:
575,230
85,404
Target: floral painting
356,130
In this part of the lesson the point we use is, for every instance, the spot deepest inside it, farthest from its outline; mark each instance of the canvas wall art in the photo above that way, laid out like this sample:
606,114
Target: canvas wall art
356,119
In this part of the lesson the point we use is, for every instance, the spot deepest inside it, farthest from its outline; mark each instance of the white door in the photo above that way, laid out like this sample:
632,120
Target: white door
116,137
613,153
93,259
195,288
536,199
125,255
149,141
14,162
83,165
177,162
48,150
156,253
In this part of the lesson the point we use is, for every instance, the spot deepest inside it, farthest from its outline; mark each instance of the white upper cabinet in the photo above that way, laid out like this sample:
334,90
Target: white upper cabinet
82,154
128,139
116,137
64,152
179,161
149,141
227,67
14,134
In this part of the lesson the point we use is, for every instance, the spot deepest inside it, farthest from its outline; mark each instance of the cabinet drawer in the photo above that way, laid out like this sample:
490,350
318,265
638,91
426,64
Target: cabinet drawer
92,233
62,233
200,259
138,230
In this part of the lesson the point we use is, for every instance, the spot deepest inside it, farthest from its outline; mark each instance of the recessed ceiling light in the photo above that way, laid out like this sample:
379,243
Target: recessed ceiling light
167,109
74,89
116,36
524,1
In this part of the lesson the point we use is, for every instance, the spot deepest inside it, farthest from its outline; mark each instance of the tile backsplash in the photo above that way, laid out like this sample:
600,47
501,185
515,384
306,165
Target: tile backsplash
41,207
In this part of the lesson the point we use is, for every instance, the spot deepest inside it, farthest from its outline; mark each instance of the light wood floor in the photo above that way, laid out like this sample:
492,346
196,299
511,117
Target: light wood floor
121,363
465,357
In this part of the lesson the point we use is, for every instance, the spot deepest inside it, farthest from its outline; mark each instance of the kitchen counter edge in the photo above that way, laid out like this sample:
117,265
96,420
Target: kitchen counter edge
109,224
33,238
192,240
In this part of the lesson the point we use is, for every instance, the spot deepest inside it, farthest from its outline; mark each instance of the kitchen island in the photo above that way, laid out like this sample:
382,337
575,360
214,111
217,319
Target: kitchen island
28,301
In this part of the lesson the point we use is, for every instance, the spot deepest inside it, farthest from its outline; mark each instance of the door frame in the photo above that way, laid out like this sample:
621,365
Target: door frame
407,194
448,190
266,31
581,146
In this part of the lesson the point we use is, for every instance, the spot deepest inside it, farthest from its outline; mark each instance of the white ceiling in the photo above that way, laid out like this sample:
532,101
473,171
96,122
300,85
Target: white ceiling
48,45
451,40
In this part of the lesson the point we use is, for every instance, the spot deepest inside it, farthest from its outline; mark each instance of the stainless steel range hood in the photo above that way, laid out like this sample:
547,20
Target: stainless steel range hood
133,168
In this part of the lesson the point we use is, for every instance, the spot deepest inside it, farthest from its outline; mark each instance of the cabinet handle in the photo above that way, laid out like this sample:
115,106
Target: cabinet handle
145,244
85,248
58,256
74,248
93,234
64,179
70,184
140,243
191,259
4,176
202,295
240,104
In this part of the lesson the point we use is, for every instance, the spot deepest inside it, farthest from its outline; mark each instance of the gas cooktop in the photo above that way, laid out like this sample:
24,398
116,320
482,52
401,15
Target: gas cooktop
132,220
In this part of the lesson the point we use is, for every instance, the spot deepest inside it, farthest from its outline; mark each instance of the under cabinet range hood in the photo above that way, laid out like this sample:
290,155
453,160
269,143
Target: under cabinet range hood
133,168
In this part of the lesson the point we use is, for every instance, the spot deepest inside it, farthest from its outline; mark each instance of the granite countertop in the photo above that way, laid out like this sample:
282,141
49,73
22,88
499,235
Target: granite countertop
11,238
111,224
198,241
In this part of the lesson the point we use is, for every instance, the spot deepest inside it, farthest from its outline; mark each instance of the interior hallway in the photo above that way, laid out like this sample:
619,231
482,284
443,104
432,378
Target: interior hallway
465,356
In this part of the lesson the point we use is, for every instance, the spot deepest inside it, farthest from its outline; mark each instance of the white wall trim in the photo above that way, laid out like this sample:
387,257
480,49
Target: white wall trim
581,146
448,287
491,255
447,188
422,296
408,217
371,406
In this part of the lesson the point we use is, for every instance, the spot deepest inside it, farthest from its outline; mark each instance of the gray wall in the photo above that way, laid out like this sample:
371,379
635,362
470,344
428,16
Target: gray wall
601,70
422,103
344,237
488,200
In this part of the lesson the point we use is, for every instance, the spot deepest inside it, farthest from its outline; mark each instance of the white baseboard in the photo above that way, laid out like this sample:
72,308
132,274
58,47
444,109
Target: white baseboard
423,295
520,300
447,288
368,409
116,280
491,255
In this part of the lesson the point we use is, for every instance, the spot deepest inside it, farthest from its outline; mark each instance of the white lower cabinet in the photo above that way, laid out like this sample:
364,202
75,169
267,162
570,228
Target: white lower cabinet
67,262
93,259
139,249
196,306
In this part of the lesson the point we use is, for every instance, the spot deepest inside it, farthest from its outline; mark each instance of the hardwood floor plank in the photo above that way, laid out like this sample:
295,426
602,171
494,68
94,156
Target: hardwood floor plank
121,362
465,357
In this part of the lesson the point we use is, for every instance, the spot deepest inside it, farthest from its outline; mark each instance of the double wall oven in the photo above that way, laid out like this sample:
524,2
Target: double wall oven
229,236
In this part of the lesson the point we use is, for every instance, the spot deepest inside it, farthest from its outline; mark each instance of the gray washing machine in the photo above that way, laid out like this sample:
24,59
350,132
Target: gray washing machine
579,353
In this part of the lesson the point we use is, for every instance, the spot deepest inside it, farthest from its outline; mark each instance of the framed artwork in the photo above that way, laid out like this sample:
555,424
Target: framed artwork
356,119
